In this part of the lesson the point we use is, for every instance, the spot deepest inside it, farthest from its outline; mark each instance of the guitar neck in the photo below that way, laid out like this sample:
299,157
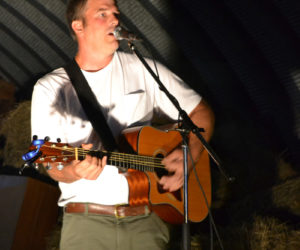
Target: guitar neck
130,161
43,152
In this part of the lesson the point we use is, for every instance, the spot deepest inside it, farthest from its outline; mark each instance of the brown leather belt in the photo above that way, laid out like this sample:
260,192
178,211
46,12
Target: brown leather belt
119,211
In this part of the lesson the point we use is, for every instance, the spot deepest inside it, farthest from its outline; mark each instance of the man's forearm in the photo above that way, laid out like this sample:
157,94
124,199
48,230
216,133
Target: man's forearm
203,117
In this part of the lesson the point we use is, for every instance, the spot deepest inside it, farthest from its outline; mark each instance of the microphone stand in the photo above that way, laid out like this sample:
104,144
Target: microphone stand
186,237
188,126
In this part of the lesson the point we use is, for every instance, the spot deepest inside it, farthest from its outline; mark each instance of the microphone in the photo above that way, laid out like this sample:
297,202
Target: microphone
123,34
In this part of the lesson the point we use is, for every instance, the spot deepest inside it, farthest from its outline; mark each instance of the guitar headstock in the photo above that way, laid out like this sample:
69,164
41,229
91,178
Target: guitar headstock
43,151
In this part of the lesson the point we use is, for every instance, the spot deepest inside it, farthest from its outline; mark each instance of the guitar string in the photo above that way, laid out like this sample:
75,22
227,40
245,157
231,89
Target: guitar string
141,160
83,151
127,157
114,154
123,161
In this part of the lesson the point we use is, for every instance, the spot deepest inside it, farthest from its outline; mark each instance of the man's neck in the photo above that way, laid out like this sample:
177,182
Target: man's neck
92,63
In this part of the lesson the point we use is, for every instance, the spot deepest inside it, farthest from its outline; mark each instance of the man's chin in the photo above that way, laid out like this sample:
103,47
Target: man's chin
116,45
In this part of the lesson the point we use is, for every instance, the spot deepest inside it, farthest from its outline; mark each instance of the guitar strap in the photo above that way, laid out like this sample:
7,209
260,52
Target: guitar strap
90,105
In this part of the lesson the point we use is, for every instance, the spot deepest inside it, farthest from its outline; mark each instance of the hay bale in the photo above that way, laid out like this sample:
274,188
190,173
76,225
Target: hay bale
15,132
269,233
286,196
15,136
7,96
263,233
265,220
283,197
285,170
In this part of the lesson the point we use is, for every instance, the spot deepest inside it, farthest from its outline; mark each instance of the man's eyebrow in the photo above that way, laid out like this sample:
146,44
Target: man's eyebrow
102,9
107,9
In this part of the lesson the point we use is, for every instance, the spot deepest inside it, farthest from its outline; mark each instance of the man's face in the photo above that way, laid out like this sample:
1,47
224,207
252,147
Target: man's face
100,21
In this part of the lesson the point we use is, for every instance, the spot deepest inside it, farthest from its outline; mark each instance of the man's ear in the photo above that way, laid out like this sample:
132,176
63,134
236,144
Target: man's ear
77,26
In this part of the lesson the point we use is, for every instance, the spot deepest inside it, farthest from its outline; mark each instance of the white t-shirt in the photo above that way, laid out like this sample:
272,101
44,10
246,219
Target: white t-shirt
128,96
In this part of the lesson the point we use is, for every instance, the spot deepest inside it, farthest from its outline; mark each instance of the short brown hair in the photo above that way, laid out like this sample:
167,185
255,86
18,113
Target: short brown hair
75,11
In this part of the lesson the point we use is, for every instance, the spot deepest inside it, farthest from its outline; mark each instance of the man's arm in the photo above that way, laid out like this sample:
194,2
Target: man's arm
203,117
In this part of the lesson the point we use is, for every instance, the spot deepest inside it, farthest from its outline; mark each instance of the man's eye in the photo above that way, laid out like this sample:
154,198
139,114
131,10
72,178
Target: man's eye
103,14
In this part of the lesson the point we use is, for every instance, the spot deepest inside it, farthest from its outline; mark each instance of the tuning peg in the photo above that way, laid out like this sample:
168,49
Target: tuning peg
34,137
60,166
47,138
58,140
48,167
26,165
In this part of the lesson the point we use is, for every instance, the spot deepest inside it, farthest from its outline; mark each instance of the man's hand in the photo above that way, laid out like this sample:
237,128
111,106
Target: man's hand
174,164
89,168
203,117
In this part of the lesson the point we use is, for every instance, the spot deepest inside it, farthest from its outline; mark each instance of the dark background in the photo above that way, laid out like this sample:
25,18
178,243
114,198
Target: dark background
242,56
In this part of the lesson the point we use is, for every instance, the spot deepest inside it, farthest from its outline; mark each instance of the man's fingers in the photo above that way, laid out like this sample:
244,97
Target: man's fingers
171,183
91,167
87,146
93,173
172,160
104,161
94,168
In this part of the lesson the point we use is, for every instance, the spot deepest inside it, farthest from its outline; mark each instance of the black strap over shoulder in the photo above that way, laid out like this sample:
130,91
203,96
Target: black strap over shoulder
90,105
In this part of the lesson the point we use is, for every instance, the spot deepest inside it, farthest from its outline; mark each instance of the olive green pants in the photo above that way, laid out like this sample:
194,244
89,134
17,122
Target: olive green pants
93,232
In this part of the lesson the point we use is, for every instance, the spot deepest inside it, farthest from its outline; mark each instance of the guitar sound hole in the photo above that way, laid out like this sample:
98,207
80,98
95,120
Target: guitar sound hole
160,172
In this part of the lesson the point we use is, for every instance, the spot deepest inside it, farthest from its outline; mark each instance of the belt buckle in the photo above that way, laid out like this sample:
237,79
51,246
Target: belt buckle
116,211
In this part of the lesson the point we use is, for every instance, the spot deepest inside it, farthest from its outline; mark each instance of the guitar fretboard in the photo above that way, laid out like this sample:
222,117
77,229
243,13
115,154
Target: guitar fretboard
122,160
137,162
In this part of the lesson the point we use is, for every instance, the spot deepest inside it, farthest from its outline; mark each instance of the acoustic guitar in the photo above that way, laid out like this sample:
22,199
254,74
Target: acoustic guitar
143,171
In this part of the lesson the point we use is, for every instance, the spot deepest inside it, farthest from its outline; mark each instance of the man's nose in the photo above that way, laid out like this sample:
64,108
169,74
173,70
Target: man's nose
115,20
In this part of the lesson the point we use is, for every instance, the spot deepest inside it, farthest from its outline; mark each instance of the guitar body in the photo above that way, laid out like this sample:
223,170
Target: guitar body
144,187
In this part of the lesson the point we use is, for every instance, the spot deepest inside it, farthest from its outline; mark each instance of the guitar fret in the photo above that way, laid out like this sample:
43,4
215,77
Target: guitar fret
137,162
